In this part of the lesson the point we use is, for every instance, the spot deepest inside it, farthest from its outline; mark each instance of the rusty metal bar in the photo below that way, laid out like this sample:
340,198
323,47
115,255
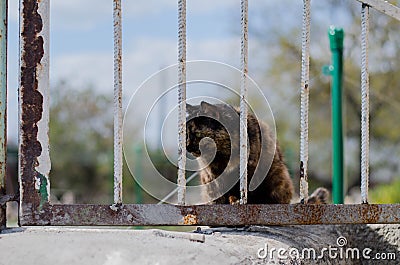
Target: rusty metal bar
383,6
243,101
117,16
34,160
181,101
222,215
304,99
364,104
3,108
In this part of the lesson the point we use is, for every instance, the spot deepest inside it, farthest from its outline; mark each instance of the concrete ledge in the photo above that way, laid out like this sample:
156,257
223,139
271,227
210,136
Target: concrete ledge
63,245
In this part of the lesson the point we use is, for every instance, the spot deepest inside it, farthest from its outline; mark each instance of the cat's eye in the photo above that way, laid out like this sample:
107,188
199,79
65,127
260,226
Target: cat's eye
198,134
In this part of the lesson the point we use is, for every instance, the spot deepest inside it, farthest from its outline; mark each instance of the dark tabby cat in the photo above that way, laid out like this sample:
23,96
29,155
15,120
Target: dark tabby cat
213,137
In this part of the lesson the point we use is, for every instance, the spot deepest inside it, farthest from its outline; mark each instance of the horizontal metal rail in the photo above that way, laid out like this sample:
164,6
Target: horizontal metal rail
222,215
384,7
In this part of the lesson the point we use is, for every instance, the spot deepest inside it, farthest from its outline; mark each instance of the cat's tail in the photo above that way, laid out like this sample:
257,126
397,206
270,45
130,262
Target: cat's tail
319,196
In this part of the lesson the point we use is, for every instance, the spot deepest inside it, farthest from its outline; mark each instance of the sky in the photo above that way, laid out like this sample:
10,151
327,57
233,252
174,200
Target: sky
81,41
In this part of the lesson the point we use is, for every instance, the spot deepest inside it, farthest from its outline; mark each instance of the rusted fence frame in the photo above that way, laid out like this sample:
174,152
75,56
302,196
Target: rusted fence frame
181,181
223,215
34,160
244,52
3,111
118,157
304,99
34,164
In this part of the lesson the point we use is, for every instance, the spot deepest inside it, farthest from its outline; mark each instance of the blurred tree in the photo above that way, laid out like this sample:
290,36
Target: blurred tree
284,53
386,193
81,145
81,148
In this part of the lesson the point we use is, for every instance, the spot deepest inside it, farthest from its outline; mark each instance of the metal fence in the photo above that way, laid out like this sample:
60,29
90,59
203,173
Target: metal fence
34,160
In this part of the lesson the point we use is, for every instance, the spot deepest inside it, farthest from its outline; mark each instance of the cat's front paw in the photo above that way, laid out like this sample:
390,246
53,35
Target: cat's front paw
233,200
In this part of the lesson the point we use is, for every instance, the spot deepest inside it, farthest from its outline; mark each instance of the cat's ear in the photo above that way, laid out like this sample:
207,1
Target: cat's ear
209,109
191,109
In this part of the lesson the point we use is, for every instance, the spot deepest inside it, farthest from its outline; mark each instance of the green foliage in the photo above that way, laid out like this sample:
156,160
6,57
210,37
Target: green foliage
81,144
81,148
283,71
385,193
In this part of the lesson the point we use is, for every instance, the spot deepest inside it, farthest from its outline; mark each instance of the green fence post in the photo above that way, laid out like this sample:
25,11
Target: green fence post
3,110
336,36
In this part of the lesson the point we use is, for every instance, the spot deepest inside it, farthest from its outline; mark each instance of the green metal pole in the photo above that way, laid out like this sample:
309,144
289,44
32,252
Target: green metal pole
3,109
336,36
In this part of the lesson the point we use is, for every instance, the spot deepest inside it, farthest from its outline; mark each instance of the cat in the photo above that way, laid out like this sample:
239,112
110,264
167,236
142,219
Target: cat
212,136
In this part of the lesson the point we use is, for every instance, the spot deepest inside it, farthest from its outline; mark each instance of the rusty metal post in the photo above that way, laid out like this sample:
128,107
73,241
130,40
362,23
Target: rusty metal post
117,16
364,104
243,102
304,99
3,109
34,160
181,101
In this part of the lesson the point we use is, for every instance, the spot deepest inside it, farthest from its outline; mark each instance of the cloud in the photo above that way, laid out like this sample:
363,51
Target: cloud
142,57
145,51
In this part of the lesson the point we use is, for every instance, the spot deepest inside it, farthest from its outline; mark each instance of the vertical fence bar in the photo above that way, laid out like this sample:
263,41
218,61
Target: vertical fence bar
3,108
34,159
181,101
243,102
304,91
117,17
364,103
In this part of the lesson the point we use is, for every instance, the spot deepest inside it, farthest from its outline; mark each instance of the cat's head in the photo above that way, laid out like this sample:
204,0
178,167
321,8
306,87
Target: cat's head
216,122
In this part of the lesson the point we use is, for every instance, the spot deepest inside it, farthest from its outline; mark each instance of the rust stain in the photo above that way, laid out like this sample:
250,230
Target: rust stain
31,101
370,213
220,215
189,215
190,219
309,214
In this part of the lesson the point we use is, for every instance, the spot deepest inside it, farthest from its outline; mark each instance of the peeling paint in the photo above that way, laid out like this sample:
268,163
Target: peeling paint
42,73
33,98
43,189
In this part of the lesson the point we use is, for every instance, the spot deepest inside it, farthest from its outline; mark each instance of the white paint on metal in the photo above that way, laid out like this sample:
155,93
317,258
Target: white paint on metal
43,78
118,162
243,102
304,109
364,104
181,101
